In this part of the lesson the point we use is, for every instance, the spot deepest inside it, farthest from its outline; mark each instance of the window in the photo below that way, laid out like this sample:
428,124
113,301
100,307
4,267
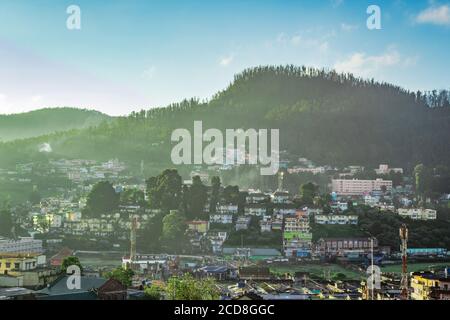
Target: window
16,265
8,265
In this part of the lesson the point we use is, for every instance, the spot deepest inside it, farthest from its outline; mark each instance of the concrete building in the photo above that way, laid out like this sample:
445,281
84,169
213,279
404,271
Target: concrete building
221,218
336,219
23,245
343,246
243,223
418,214
359,187
384,169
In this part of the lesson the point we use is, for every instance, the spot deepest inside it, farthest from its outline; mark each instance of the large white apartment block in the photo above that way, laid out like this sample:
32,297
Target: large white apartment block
418,214
24,246
336,219
359,187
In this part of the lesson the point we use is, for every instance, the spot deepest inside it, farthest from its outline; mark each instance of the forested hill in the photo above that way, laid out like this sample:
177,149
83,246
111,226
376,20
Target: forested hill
328,117
46,121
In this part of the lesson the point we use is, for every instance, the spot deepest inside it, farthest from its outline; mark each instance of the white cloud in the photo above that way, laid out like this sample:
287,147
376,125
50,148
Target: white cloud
438,15
2,97
364,65
226,61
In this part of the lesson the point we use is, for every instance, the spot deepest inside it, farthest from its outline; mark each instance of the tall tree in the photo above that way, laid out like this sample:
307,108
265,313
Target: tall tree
103,199
6,222
215,194
164,191
197,199
173,231
308,192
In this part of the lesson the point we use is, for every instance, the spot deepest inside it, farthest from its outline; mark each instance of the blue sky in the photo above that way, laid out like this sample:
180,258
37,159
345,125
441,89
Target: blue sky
133,54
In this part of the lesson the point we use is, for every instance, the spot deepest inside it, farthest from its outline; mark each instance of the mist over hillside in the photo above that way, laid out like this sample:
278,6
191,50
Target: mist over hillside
46,121
328,117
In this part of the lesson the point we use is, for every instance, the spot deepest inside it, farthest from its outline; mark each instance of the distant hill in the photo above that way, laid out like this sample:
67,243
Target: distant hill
328,117
46,121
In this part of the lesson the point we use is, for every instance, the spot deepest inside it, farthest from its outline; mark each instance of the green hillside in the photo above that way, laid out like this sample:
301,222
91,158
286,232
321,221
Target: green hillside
46,121
328,117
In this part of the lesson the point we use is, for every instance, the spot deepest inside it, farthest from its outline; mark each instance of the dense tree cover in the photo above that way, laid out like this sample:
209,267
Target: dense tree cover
124,276
6,222
154,292
164,190
215,194
308,193
70,261
102,199
173,231
46,121
196,199
133,197
188,288
328,117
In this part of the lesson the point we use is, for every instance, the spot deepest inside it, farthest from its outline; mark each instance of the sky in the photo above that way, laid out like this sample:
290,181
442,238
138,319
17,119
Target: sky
139,54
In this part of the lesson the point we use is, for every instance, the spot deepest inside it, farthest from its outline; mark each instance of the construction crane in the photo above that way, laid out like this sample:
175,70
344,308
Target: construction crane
404,285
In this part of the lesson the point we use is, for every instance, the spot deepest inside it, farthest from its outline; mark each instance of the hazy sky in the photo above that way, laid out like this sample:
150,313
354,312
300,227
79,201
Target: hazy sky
133,54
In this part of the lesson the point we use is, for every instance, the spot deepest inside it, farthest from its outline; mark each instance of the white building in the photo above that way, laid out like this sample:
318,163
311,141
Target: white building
255,211
221,218
296,225
281,197
384,169
359,187
23,245
227,209
418,214
242,223
336,219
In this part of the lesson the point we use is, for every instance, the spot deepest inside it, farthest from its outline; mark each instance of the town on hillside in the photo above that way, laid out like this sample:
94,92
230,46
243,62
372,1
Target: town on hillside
312,232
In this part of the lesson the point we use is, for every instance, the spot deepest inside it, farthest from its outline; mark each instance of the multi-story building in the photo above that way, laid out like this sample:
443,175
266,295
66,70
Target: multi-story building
359,187
227,209
423,285
297,237
255,197
22,246
384,169
284,211
198,226
336,219
418,214
255,210
342,246
221,218
281,197
243,223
